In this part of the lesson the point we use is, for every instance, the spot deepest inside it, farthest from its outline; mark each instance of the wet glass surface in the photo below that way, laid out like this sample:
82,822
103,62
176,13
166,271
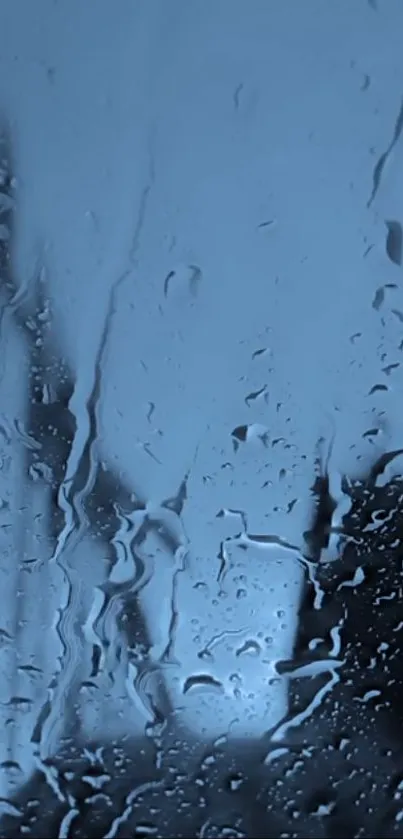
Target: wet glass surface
201,491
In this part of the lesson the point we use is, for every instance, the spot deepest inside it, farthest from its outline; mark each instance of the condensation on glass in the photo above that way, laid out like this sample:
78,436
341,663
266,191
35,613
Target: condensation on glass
200,427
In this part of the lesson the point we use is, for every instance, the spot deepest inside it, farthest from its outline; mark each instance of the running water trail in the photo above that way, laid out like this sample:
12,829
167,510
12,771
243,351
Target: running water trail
82,468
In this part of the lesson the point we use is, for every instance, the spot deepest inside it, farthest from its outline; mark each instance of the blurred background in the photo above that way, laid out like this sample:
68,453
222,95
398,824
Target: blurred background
213,192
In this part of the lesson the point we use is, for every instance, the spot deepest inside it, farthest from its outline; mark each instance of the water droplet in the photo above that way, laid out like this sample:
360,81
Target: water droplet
202,681
256,394
274,755
250,647
378,299
377,388
394,241
187,277
235,782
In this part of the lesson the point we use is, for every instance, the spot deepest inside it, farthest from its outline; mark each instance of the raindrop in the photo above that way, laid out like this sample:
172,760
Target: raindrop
235,781
144,829
260,352
11,766
268,223
368,695
324,809
372,432
378,299
394,241
274,755
377,389
390,367
240,433
40,472
247,433
256,394
250,647
184,276
21,703
398,314
357,579
201,681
